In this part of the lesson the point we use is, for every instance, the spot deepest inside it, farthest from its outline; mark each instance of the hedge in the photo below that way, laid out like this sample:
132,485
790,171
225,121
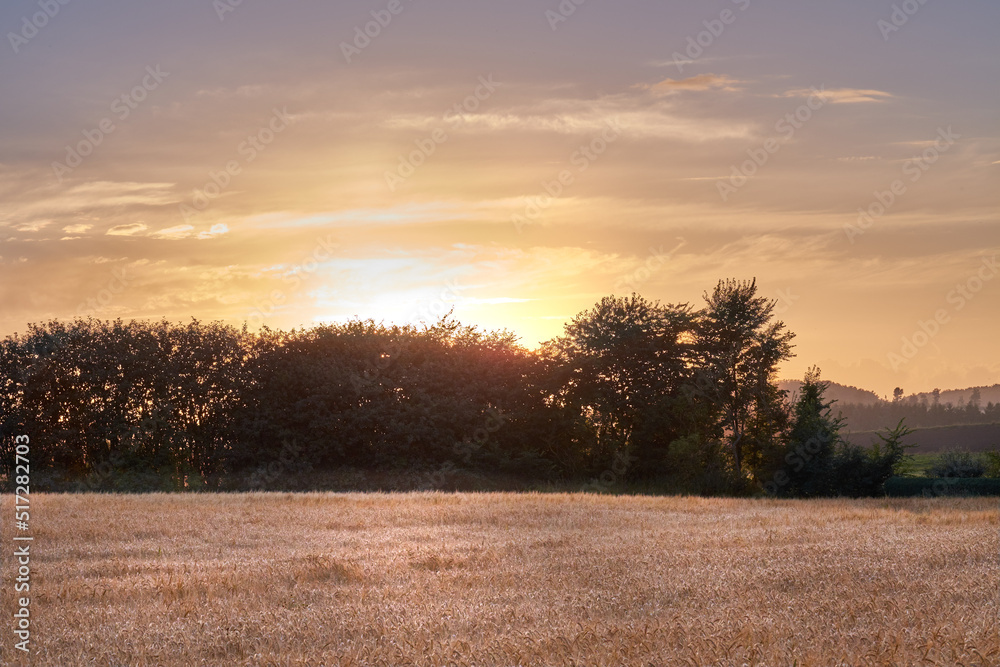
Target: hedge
901,487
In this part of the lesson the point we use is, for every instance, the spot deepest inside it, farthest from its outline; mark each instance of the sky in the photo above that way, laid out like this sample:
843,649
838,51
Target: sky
299,162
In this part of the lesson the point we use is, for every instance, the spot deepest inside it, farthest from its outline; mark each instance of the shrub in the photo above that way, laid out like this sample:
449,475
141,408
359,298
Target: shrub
992,460
953,463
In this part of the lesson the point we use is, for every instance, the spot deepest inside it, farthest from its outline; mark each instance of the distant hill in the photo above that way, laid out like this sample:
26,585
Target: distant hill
960,396
848,394
862,411
838,392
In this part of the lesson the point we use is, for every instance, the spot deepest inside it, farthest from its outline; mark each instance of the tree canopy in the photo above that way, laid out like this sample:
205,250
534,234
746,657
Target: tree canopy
667,395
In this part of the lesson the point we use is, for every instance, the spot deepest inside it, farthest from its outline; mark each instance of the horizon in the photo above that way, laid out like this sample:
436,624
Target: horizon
298,164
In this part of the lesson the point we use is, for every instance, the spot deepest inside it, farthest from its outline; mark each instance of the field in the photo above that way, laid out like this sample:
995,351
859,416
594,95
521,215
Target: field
507,579
919,465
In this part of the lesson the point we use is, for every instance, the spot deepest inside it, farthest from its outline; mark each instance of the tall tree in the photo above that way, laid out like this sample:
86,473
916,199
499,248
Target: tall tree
740,346
813,440
615,362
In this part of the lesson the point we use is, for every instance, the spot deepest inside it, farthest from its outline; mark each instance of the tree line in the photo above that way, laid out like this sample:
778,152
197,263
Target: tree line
920,413
666,396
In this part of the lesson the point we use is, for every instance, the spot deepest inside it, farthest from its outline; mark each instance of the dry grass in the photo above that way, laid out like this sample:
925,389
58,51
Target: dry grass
495,579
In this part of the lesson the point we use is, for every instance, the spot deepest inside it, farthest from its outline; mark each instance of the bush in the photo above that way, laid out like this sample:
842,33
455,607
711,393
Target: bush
952,463
817,462
992,460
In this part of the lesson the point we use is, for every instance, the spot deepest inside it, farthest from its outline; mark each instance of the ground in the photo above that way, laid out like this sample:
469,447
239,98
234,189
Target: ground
506,579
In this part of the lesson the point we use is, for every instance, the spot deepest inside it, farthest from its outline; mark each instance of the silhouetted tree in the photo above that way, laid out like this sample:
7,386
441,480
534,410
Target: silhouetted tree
615,369
740,346
812,441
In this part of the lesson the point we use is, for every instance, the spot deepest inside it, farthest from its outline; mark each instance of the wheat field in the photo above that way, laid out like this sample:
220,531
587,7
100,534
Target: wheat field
507,579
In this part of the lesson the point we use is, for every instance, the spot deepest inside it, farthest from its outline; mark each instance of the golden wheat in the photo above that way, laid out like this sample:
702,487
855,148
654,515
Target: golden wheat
507,579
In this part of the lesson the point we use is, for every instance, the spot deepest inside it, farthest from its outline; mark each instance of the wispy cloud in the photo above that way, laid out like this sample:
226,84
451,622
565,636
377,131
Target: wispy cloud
699,82
127,230
843,95
704,60
216,230
636,115
174,233
59,201
77,229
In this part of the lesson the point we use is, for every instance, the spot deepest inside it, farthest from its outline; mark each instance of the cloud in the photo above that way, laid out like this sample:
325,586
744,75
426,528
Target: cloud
703,60
636,116
54,201
843,95
699,82
34,226
644,110
127,230
77,229
216,230
174,233
255,90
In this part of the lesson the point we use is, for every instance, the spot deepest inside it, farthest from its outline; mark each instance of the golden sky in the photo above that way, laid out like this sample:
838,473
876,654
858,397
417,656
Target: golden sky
272,163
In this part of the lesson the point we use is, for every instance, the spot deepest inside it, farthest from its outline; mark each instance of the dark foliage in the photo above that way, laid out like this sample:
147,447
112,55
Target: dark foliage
653,396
